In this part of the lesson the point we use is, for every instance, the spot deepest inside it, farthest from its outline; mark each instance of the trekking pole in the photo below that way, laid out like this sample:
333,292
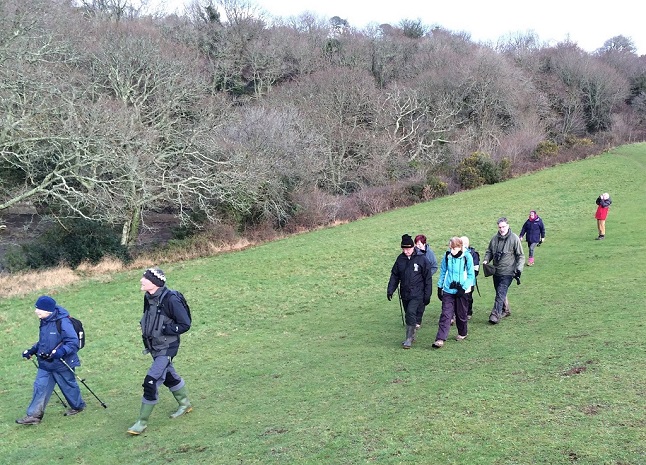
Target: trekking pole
401,307
83,381
59,397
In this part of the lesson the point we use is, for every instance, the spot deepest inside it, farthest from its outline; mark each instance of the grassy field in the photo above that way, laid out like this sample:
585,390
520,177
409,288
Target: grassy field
295,354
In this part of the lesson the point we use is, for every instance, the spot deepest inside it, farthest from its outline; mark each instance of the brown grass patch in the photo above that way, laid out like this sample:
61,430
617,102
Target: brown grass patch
50,280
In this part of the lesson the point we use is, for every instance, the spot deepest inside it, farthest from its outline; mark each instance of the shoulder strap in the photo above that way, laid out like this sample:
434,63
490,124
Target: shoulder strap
446,259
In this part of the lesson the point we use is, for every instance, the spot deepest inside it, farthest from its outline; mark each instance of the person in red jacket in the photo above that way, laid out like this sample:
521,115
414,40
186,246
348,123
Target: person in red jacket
603,202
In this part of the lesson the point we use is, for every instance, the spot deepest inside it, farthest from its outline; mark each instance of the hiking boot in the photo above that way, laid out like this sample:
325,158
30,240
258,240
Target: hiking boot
142,422
28,420
493,318
438,344
505,314
72,411
181,396
461,338
600,237
410,331
530,262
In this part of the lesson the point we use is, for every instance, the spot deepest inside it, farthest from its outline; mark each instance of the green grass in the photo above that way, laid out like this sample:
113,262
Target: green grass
295,355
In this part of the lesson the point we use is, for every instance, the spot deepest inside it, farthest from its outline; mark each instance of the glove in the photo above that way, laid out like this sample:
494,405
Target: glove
517,274
427,301
390,297
476,272
439,293
56,354
28,353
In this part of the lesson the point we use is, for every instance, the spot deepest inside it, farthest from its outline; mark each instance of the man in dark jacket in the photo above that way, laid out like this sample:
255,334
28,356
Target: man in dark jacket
506,251
165,318
57,342
412,273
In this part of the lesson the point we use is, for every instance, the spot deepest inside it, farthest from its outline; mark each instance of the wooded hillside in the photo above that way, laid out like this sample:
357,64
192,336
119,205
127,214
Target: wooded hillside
223,116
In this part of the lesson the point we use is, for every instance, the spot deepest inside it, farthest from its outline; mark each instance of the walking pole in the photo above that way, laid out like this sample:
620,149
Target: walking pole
59,397
83,381
401,307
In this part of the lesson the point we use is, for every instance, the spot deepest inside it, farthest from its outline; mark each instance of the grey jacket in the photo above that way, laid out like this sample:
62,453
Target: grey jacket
506,253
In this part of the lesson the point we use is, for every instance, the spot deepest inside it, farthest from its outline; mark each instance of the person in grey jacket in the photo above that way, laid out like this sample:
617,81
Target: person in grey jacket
506,252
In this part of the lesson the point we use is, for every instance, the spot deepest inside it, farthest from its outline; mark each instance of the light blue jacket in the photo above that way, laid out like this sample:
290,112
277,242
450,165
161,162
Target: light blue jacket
458,269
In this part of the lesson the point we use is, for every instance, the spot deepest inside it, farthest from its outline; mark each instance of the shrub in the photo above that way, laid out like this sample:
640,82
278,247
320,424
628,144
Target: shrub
73,242
573,141
434,187
479,169
545,149
469,177
14,259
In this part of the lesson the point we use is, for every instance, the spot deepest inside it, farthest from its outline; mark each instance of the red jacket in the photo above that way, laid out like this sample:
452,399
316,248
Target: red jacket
603,207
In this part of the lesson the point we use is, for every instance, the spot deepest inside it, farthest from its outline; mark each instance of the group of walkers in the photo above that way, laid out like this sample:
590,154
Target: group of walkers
165,317
504,260
414,268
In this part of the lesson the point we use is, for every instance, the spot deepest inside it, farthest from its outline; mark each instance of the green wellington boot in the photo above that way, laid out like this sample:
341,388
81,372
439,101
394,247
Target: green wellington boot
181,396
142,422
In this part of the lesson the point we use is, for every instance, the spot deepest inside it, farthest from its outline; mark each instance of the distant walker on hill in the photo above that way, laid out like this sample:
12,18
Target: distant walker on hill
603,205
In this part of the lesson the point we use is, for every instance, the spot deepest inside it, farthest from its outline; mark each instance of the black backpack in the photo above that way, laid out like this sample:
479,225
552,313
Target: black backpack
475,255
78,328
181,298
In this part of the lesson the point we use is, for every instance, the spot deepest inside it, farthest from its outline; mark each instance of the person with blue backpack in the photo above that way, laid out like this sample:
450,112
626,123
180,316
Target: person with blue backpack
56,350
166,316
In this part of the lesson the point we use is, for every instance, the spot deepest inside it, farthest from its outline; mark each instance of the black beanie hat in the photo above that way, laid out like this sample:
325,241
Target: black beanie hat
407,241
155,276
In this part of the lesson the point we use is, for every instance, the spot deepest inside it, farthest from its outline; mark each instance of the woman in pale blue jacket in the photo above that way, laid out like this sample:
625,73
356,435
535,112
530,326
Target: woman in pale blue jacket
456,279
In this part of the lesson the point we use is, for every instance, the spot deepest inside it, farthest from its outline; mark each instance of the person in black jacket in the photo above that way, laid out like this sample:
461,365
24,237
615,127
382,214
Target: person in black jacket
535,231
165,317
412,273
